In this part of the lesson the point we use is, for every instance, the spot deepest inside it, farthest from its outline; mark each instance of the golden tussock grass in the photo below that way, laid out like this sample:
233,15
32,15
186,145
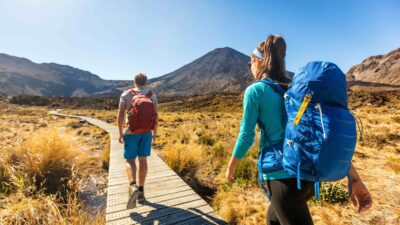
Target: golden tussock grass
48,158
34,211
25,207
105,153
7,173
41,168
241,205
182,158
394,163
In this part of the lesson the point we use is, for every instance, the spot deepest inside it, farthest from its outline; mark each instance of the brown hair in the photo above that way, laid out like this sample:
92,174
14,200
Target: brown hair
140,79
273,62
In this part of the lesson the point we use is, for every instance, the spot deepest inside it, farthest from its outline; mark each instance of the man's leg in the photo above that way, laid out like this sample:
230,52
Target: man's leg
143,152
130,154
142,171
130,168
133,189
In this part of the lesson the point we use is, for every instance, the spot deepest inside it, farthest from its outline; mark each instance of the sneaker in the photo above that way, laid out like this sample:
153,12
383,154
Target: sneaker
141,197
133,196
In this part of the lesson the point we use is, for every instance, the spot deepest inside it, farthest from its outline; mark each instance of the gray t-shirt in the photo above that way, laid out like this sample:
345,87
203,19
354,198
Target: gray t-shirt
126,99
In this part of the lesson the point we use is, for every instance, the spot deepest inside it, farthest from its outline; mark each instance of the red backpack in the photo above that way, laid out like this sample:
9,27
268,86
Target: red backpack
142,113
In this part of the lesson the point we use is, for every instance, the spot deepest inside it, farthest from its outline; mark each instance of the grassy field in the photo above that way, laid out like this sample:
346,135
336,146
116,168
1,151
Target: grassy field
196,137
52,170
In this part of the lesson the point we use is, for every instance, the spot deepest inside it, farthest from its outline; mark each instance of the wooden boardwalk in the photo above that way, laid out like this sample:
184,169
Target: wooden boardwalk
169,200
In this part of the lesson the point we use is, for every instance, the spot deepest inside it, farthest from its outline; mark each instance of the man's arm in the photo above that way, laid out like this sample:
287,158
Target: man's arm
121,120
156,125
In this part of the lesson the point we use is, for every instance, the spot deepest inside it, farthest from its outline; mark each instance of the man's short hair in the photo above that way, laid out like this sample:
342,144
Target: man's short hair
140,79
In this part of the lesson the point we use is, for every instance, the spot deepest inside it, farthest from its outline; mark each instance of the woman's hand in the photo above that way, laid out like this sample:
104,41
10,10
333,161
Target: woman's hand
360,196
230,171
230,175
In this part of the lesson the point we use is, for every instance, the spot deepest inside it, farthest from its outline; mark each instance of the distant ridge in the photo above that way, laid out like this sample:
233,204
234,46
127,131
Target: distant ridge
22,76
384,69
222,70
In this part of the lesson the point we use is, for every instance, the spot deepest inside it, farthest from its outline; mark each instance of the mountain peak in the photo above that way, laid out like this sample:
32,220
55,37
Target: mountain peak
220,70
225,50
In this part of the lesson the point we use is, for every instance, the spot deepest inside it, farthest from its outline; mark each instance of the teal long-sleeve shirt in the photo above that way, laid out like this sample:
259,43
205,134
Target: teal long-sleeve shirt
261,102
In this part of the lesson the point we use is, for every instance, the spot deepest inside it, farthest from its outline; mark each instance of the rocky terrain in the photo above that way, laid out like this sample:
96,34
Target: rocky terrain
383,69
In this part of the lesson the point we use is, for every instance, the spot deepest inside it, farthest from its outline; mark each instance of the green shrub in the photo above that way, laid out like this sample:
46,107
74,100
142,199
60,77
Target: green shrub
239,183
247,170
218,150
178,120
333,193
184,138
205,138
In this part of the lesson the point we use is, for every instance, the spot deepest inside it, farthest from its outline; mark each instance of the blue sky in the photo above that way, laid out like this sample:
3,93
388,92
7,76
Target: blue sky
116,39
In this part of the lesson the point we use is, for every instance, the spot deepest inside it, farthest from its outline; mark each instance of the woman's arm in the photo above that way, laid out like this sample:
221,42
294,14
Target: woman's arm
249,120
246,135
360,195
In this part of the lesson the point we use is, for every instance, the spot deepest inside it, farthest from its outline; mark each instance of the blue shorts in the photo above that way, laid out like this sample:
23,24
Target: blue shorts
137,145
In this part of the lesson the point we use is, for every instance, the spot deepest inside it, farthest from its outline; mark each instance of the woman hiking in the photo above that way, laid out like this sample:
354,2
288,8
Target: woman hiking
263,105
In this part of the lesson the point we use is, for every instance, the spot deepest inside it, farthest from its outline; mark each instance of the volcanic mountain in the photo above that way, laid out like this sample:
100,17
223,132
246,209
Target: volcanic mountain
221,70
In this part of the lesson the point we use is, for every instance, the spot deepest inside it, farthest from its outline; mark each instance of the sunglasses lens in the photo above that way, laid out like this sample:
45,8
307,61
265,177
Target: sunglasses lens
249,65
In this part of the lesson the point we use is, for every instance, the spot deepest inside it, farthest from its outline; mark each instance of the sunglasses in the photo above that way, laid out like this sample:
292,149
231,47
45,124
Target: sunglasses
252,60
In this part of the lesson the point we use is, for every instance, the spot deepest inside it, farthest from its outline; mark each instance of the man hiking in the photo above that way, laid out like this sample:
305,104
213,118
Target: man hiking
141,108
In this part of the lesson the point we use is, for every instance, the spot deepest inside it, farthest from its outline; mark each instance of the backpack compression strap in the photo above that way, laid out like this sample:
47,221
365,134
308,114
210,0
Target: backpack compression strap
149,94
304,104
260,173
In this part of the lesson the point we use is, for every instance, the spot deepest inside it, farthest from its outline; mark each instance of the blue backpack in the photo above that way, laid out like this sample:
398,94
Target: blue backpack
320,136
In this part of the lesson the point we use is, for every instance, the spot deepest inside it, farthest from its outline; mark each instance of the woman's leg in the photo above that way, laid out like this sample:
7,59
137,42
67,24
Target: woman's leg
289,204
271,217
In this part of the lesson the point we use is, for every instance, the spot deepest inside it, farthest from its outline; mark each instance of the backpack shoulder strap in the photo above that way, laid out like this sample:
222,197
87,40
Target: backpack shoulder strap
149,94
276,87
133,92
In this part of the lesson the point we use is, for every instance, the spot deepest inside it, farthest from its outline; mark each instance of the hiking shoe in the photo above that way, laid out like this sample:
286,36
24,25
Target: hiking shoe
133,196
141,197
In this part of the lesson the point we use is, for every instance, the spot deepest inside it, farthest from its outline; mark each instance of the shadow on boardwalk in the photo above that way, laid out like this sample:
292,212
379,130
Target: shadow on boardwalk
171,215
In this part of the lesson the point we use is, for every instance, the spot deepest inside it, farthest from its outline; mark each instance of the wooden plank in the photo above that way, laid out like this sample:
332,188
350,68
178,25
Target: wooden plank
134,216
210,218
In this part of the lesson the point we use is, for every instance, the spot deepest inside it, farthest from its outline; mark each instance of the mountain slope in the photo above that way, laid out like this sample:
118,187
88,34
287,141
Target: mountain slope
221,70
378,69
22,76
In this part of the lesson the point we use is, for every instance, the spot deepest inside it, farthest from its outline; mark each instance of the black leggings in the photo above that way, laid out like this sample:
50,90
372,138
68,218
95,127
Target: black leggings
288,204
